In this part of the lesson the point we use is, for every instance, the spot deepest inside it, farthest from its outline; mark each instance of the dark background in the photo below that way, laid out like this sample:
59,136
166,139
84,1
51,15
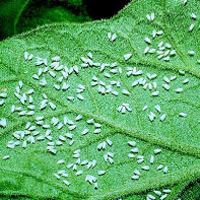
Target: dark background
17,16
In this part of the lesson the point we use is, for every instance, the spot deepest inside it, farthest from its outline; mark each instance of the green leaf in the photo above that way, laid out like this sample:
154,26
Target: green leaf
9,12
191,191
176,136
176,189
41,13
20,16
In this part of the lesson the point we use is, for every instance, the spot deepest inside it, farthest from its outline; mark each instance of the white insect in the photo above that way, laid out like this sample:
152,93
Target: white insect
130,155
167,58
136,172
6,157
145,108
96,185
97,131
132,143
193,16
2,102
57,176
80,97
101,172
55,59
163,197
78,173
91,179
152,160
43,82
101,146
61,162
159,193
181,72
166,79
157,107
85,131
167,191
146,50
157,151
52,105
182,114
135,177
145,168
150,196
147,40
154,32
151,76
90,121
125,92
184,2
191,27
72,127
124,107
178,90
109,142
127,56
75,68
186,81
135,150
113,37
150,17
109,35
191,53
3,123
62,138
159,167
172,52
66,182
152,116
166,87
155,93
159,32
163,117
173,77
26,55
165,170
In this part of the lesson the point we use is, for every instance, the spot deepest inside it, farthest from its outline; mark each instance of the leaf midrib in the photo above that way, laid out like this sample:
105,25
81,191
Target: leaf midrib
157,182
77,41
191,172
17,194
166,142
46,181
143,61
147,63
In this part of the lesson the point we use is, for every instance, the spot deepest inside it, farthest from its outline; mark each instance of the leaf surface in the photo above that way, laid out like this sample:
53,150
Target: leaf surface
176,136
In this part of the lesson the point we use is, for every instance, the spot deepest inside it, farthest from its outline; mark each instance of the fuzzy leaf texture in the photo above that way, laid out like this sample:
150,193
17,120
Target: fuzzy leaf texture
94,116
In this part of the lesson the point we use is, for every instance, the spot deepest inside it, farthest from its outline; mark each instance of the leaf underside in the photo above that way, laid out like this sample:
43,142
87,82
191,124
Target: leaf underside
176,136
